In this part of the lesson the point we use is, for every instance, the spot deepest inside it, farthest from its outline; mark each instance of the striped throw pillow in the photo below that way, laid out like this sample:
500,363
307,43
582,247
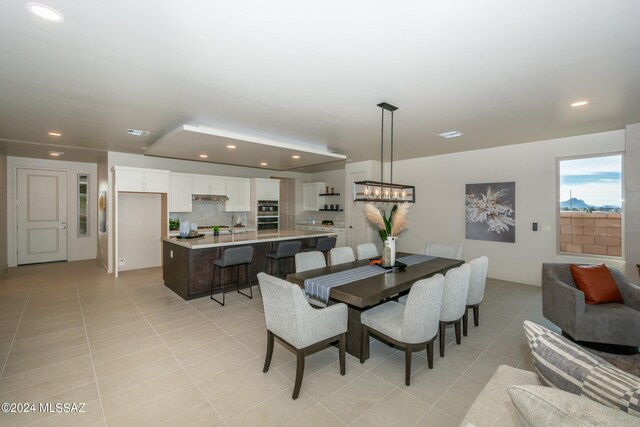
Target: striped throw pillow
567,366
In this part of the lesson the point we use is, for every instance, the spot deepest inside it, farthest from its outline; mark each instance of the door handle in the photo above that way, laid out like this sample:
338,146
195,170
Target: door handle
62,227
351,226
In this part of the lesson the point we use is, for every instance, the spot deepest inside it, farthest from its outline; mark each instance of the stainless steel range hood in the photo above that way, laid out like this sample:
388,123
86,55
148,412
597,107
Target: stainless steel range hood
209,198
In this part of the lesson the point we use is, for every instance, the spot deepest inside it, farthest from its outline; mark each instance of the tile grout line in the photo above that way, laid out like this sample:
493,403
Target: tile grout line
93,365
474,361
15,334
174,357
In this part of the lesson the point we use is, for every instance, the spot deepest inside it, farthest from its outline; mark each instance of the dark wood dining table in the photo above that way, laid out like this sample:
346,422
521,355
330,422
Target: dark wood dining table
363,294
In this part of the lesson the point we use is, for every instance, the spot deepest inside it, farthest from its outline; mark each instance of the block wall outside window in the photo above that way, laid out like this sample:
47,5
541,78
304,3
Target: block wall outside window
597,233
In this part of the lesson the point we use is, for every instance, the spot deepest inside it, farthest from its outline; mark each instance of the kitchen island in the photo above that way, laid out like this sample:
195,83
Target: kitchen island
187,264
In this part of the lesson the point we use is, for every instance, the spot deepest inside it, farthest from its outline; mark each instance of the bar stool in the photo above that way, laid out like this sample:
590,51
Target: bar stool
285,250
233,257
324,245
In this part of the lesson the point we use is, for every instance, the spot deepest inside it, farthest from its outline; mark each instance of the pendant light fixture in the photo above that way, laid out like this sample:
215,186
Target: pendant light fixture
380,191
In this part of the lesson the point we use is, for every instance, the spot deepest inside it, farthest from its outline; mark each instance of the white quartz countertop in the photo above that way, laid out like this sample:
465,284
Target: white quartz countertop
318,224
245,238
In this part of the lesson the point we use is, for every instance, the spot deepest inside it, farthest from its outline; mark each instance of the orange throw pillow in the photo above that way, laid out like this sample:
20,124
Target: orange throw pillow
596,282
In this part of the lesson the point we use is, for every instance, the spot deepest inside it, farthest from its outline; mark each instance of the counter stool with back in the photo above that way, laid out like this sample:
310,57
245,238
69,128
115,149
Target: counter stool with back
233,257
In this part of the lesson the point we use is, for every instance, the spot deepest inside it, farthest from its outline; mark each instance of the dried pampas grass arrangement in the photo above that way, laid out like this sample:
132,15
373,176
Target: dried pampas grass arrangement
396,224
400,219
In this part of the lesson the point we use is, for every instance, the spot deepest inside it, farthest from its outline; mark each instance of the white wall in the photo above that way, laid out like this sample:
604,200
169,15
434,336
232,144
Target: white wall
632,202
78,247
3,212
139,230
439,213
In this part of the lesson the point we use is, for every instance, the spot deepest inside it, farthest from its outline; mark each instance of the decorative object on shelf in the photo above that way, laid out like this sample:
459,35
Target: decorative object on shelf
184,228
388,229
332,192
380,191
490,211
327,190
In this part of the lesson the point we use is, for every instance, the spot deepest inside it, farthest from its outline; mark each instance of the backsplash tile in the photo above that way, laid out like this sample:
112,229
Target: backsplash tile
206,212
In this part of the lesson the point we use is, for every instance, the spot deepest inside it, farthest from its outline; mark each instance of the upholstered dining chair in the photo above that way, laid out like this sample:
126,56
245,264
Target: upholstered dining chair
443,250
341,255
299,327
366,250
454,301
477,281
413,325
309,261
284,251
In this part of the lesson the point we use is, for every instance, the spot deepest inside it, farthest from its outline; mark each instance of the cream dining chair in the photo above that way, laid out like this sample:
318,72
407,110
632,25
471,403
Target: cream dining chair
413,325
299,327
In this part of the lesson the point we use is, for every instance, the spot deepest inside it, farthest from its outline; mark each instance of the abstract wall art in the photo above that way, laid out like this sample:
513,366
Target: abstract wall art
491,211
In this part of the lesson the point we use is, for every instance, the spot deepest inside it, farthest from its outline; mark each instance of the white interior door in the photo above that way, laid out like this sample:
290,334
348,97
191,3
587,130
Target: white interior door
357,228
42,216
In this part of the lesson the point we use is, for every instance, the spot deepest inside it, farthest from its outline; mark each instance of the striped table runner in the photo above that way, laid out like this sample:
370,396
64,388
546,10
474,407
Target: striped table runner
320,287
415,259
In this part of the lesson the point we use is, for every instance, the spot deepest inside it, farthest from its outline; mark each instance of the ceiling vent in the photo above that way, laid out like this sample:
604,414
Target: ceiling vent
136,132
451,134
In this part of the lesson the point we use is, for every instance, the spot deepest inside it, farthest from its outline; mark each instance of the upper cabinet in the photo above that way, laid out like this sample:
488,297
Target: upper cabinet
141,180
311,201
207,184
239,194
180,190
266,189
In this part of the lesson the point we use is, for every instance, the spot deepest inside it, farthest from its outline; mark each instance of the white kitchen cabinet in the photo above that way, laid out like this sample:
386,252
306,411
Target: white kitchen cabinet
141,180
210,185
218,185
180,191
340,234
266,189
239,194
200,184
311,199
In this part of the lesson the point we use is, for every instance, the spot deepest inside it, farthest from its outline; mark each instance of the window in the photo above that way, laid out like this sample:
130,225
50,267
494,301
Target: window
83,205
590,203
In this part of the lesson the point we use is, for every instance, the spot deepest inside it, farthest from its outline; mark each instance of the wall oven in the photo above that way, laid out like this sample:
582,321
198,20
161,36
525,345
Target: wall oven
267,215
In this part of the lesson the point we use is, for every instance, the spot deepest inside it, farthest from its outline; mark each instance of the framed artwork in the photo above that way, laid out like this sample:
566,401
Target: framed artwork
491,211
102,212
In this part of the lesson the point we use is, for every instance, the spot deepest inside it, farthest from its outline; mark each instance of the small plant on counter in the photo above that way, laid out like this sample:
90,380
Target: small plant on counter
174,223
216,230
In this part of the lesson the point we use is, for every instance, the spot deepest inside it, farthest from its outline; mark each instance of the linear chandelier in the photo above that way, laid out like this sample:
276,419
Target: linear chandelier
380,191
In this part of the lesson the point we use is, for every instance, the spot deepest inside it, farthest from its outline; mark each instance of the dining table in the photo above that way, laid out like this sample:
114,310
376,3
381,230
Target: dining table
362,294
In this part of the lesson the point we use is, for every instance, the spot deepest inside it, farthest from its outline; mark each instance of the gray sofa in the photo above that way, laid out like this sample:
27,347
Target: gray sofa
564,305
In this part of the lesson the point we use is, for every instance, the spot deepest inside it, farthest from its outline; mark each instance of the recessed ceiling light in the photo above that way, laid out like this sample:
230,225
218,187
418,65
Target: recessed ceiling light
264,164
203,156
45,12
295,156
231,146
137,132
54,133
579,103
451,134
56,153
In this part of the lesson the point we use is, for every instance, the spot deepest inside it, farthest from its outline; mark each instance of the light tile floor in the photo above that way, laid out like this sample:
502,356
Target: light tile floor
137,354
